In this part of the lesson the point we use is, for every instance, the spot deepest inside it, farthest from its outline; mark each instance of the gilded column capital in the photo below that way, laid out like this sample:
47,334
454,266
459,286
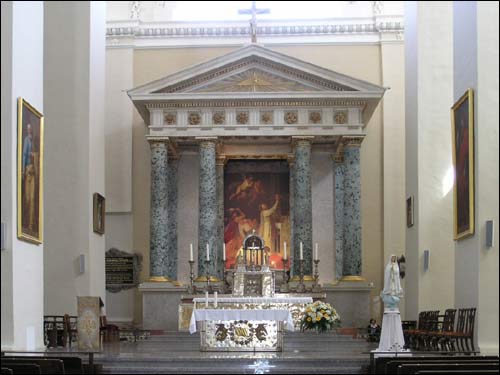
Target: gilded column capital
221,160
352,141
338,157
302,140
155,139
290,158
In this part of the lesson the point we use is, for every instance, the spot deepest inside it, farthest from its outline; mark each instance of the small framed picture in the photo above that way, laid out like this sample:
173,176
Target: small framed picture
409,211
99,213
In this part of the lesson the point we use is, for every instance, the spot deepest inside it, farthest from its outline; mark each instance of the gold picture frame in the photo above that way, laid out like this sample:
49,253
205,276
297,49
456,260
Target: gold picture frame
29,173
99,213
462,128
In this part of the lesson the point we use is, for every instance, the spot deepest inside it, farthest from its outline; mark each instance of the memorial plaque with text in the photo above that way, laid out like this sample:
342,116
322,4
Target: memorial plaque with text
121,270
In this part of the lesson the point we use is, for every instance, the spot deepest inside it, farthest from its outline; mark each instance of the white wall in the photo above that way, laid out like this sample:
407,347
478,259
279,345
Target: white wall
476,66
22,262
428,142
74,92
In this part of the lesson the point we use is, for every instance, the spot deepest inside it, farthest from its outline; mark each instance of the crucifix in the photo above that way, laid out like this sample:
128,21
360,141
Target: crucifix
253,23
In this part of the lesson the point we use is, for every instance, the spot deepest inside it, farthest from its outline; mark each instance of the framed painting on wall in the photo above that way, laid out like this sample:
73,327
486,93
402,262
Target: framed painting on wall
462,128
99,213
409,211
29,172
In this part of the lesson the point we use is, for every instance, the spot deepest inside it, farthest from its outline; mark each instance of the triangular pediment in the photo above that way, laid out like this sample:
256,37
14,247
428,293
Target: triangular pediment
255,69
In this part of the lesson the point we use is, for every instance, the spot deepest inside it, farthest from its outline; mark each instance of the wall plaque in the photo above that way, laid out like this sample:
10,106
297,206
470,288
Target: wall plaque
122,270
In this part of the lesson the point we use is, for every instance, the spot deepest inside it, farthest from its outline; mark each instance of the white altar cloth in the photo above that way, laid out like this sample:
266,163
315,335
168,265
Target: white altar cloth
215,314
262,300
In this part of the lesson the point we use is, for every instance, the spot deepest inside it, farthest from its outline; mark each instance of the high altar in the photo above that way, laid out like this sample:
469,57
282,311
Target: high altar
254,104
253,317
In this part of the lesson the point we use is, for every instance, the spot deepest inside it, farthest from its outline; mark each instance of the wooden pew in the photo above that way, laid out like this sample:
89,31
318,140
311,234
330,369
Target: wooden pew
391,367
24,369
72,365
460,372
382,362
6,371
410,369
47,366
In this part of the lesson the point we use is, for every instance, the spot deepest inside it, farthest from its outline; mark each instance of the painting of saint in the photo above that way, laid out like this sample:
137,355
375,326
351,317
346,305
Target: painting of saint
463,159
29,171
256,197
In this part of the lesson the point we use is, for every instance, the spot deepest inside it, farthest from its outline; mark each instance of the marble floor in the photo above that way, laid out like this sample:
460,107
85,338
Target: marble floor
177,352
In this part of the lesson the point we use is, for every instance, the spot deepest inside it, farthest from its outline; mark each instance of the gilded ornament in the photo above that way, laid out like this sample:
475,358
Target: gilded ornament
266,117
340,117
170,118
314,117
218,118
242,118
194,118
291,117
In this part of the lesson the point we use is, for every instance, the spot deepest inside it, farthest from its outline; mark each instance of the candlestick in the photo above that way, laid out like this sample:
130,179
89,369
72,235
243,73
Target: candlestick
301,257
284,250
284,287
191,287
316,251
316,288
208,287
224,252
215,299
301,288
191,258
206,299
208,253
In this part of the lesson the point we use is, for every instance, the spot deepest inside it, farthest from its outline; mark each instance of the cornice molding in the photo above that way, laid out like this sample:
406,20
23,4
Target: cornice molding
134,33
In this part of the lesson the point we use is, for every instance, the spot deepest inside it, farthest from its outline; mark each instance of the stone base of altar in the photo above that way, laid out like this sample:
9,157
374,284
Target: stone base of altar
160,305
168,307
352,300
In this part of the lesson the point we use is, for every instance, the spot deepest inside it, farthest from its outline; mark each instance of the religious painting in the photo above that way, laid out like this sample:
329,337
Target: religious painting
29,172
462,124
409,211
99,213
256,198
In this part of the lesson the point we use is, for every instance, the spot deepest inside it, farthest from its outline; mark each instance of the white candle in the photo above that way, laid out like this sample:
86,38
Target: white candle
208,252
224,252
206,299
301,252
316,251
284,250
215,299
191,258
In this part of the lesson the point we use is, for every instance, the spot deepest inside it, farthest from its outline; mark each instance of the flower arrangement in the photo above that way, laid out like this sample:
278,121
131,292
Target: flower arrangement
320,316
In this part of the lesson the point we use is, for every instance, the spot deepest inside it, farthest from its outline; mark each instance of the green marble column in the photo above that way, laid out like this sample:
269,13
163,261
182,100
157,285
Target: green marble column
302,224
339,171
220,163
207,223
170,264
158,258
352,207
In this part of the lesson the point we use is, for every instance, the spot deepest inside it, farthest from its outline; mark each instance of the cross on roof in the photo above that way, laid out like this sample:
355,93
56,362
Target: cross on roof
253,22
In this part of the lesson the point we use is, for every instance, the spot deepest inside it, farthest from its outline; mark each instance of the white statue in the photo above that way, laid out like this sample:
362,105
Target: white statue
391,337
392,292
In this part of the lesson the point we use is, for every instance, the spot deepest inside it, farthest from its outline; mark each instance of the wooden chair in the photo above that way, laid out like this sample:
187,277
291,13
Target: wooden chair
70,329
25,368
464,332
437,341
109,332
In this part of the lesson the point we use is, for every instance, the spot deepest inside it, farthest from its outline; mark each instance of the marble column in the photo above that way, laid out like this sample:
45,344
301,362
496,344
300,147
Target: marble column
352,207
339,171
302,201
170,264
290,246
158,258
219,267
207,224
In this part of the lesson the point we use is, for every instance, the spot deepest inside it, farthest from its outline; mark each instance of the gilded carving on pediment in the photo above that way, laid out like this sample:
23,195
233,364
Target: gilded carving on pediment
219,118
266,117
242,118
194,118
170,118
291,117
340,117
315,117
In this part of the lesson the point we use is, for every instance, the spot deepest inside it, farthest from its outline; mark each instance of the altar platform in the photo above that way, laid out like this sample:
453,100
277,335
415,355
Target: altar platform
178,352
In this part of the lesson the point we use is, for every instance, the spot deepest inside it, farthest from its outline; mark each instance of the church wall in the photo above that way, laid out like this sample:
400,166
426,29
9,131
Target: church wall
362,62
74,93
429,157
22,262
323,212
476,31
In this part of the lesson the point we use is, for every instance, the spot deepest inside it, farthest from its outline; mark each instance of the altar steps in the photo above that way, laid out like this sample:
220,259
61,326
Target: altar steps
178,352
